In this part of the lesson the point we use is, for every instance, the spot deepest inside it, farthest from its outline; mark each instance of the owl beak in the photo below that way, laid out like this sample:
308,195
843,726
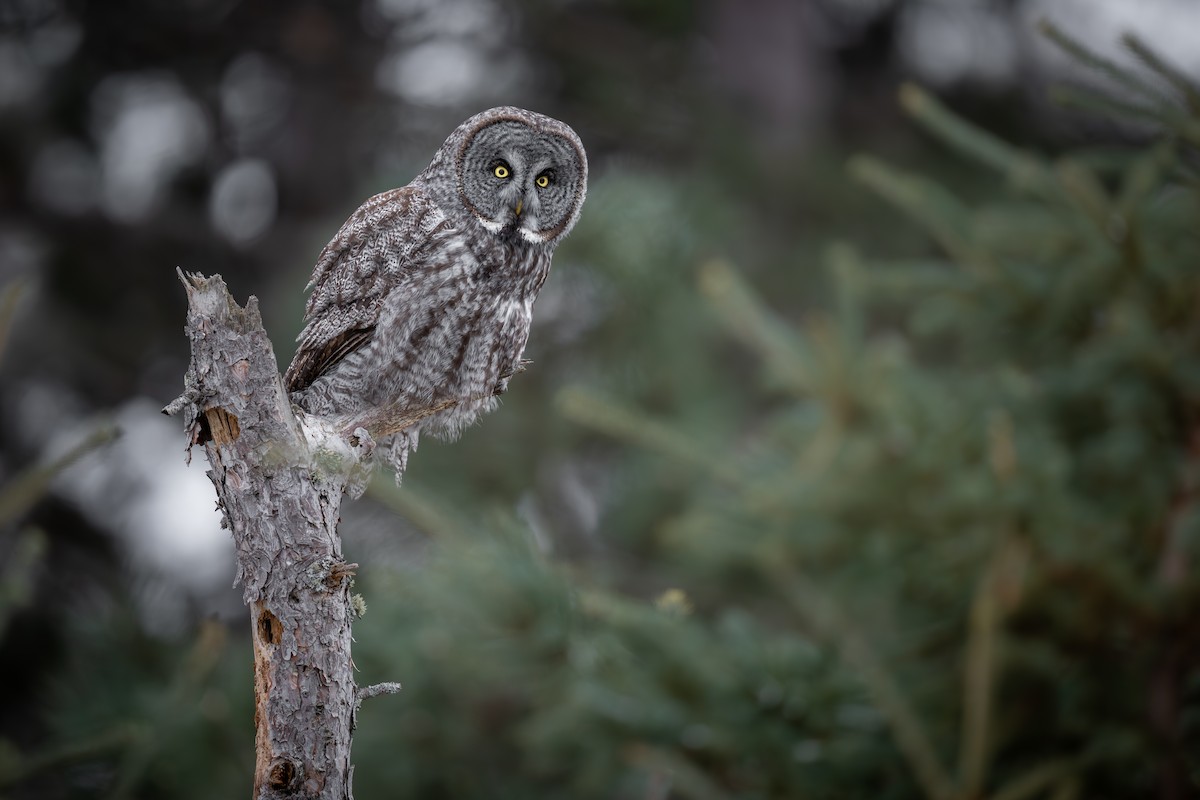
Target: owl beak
519,206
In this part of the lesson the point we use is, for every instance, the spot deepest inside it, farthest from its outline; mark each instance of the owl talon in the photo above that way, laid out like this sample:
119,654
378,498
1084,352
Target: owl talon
361,440
517,369
359,476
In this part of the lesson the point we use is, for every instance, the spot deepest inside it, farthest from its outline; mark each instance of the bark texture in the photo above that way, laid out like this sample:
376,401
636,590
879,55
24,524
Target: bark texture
283,512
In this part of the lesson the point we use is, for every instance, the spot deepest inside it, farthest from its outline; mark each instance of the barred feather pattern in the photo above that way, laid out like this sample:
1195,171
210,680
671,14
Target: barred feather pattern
424,297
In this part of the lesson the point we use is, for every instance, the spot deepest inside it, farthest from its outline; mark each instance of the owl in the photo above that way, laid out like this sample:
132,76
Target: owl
424,298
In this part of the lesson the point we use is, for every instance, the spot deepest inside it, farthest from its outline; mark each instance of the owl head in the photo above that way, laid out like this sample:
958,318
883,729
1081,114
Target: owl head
519,174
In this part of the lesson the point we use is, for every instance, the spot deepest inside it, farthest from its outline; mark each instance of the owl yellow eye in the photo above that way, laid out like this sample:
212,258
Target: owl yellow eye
500,171
542,181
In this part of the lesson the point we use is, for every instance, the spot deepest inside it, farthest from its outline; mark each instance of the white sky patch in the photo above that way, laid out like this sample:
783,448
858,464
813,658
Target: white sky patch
27,56
450,52
65,177
20,78
441,72
161,509
421,19
149,129
945,43
255,95
243,200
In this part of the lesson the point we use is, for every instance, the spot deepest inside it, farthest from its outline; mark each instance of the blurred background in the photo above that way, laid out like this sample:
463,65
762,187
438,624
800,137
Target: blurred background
858,458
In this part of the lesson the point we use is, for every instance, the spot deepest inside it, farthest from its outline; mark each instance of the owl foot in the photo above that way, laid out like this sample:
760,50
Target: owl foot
359,477
361,441
518,368
336,453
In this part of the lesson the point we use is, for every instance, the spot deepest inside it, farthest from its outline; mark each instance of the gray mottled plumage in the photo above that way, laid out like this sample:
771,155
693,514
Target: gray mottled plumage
425,294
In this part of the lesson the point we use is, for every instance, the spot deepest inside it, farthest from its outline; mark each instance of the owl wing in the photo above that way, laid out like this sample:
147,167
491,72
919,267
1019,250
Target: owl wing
365,260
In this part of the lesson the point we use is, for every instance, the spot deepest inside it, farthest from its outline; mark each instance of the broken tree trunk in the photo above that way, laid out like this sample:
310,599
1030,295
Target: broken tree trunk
282,507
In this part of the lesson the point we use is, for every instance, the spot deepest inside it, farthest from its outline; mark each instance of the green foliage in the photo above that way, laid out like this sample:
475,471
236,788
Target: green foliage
558,691
176,711
26,488
23,557
948,554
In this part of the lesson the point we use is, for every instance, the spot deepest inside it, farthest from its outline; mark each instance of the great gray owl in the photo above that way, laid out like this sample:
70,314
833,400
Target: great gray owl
424,296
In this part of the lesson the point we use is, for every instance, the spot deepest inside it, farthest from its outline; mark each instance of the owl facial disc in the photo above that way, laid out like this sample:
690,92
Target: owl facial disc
523,176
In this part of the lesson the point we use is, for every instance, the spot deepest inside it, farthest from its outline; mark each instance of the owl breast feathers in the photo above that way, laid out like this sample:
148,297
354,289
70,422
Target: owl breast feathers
423,299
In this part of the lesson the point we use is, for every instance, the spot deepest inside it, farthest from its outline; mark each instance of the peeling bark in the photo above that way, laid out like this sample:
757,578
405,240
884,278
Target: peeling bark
282,510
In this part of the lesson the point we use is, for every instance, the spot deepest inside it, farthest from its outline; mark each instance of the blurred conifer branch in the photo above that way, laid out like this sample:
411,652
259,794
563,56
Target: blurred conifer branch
28,487
1187,87
190,678
749,321
818,608
1152,103
587,408
10,295
929,204
1029,472
680,776
416,506
1022,170
18,573
15,768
